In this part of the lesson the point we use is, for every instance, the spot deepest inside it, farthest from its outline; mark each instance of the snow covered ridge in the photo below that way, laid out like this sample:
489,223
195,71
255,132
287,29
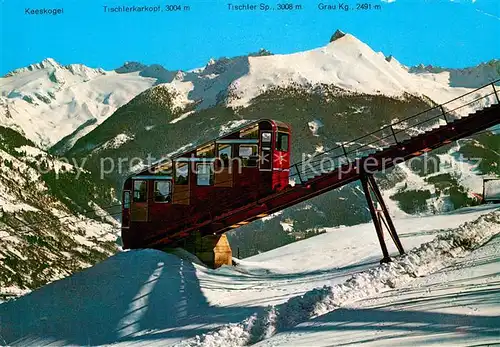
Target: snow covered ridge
469,77
47,101
345,62
421,261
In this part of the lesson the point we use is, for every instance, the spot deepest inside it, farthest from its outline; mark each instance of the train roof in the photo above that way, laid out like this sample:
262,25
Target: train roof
194,147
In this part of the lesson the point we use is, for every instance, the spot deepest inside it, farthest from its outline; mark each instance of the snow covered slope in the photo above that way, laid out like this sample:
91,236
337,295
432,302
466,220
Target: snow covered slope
48,101
153,298
455,306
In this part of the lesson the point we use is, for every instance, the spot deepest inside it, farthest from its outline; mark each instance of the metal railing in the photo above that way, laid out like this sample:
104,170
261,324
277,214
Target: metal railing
395,133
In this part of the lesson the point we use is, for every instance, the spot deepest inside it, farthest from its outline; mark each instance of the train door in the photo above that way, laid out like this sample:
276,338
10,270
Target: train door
281,158
223,171
266,154
139,204
126,209
182,191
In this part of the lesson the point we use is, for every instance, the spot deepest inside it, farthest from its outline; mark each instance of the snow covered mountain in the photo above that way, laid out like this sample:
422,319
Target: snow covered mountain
47,101
51,224
470,77
53,104
346,66
345,62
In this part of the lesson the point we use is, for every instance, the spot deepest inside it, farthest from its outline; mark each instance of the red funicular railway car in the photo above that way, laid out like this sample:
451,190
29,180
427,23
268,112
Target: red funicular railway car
214,178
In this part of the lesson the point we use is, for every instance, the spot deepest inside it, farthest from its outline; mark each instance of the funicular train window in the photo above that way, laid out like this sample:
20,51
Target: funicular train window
163,191
207,151
163,169
204,174
282,142
250,133
249,155
181,173
140,191
225,153
126,199
266,137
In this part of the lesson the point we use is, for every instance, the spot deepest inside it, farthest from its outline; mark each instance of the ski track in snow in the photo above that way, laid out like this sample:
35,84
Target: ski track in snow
424,260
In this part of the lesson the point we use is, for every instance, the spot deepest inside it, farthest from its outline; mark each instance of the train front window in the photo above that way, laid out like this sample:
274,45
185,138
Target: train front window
249,155
204,174
181,173
225,153
140,191
266,138
282,142
163,191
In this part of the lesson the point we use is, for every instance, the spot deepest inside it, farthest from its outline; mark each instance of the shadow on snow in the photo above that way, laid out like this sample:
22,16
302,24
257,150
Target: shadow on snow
127,295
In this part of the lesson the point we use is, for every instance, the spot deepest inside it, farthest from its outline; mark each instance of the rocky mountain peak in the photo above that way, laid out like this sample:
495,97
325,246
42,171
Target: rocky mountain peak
337,35
49,62
211,62
44,64
262,52
179,75
130,66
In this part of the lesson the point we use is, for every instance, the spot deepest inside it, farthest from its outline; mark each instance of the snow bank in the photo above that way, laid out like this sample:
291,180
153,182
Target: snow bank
420,261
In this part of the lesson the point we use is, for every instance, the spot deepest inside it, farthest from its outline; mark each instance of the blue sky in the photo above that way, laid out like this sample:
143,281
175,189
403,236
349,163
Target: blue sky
438,32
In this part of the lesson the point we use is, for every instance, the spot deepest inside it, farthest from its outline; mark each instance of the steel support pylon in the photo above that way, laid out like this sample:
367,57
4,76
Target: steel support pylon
369,186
